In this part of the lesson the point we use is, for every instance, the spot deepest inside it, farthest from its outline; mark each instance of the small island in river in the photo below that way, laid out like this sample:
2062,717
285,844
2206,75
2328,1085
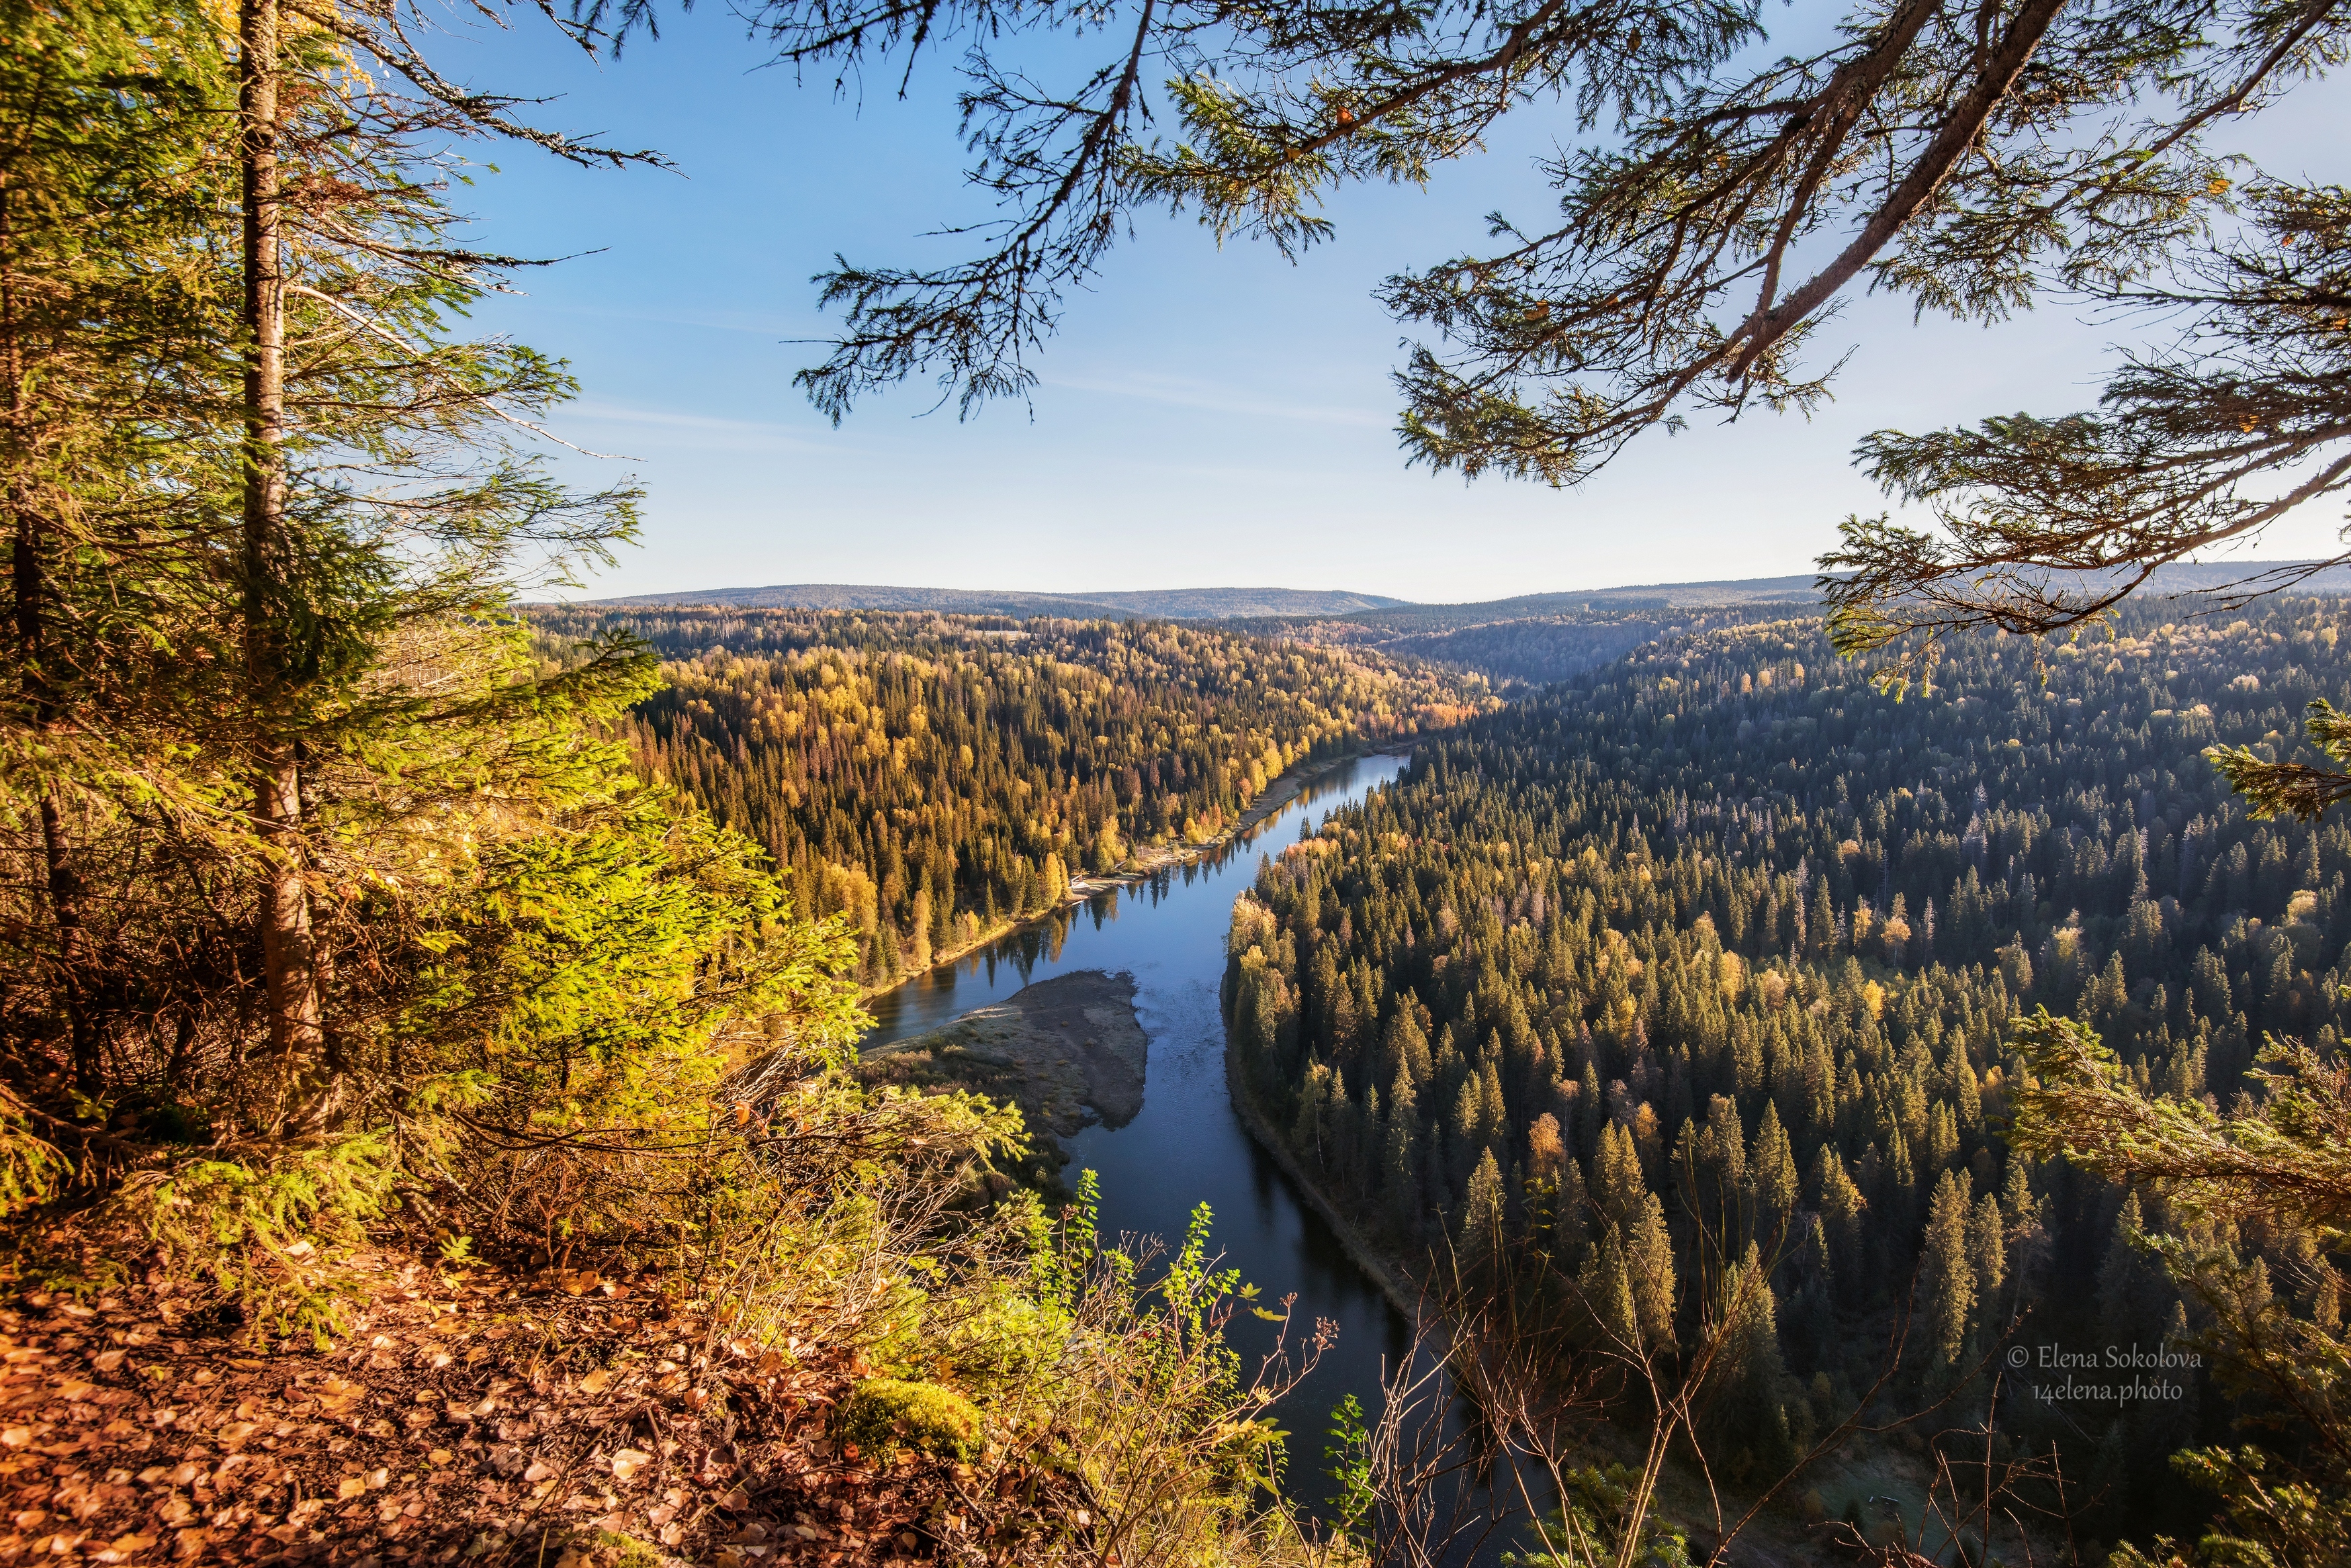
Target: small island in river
1068,1051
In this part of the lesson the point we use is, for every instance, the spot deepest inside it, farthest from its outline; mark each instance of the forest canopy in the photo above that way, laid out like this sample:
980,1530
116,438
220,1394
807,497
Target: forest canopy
931,778
1721,947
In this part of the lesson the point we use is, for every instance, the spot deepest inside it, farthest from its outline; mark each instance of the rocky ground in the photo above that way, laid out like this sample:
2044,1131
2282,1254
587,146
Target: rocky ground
559,1419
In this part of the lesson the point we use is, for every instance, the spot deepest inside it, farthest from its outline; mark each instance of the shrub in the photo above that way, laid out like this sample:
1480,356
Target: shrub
883,1412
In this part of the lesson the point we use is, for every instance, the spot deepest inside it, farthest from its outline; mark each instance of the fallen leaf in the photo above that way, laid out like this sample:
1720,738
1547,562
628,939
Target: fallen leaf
351,1486
627,1462
233,1436
107,1361
439,1457
596,1381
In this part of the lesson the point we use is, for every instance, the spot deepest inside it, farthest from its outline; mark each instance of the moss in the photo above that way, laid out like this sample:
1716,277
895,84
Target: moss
608,1548
883,1412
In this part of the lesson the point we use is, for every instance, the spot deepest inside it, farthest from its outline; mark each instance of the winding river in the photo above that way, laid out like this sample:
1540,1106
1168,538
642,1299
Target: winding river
1187,1145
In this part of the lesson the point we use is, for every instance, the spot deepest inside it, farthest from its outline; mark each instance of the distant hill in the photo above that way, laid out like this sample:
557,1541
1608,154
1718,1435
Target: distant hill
1793,590
2205,578
1538,638
1796,589
1169,604
1422,620
855,595
1233,603
1408,618
1396,617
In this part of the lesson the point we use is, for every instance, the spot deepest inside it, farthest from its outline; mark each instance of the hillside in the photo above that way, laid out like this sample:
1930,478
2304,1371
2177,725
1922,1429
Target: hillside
937,779
1536,638
1717,948
436,1128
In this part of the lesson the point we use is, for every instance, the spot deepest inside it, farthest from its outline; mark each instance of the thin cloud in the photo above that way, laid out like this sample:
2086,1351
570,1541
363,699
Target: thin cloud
1187,394
701,432
761,324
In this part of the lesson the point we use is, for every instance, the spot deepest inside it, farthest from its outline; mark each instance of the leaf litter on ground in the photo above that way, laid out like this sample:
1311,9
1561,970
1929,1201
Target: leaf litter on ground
559,1418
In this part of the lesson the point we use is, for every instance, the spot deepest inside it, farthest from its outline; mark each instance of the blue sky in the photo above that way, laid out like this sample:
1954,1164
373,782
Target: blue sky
1207,418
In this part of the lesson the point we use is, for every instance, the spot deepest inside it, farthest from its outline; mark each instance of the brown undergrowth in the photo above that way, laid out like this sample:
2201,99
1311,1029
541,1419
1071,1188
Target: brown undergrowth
484,1416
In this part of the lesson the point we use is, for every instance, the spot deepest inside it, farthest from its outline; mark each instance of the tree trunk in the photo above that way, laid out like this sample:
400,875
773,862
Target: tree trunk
295,1063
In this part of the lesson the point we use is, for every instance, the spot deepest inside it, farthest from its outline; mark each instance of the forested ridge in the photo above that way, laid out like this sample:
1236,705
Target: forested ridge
931,777
1711,959
1514,649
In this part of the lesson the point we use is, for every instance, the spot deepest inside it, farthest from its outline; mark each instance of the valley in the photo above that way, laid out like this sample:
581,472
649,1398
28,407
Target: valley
1588,987
516,1053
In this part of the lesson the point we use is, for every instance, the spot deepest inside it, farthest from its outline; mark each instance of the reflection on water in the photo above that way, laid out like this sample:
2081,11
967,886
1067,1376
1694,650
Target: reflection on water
1187,1146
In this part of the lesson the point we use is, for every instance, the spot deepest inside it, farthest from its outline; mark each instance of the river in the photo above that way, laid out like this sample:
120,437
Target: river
1187,1145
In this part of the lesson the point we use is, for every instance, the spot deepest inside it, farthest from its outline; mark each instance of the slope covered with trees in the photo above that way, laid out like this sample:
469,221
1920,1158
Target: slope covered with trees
931,778
421,1135
1516,649
1721,947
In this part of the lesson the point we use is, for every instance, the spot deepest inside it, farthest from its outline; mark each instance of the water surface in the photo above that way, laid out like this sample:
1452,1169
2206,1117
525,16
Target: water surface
1187,1145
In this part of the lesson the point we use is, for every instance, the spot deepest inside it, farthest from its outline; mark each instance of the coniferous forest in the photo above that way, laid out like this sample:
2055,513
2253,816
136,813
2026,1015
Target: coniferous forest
931,778
1710,963
1796,1053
